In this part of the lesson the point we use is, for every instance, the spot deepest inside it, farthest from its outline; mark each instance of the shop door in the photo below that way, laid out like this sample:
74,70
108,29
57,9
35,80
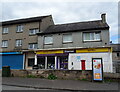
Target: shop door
83,64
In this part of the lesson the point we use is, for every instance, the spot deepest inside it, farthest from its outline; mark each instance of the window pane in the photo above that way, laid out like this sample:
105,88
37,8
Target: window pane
31,62
19,28
33,46
51,62
4,43
48,40
33,31
86,36
97,36
41,62
5,30
67,38
91,36
18,42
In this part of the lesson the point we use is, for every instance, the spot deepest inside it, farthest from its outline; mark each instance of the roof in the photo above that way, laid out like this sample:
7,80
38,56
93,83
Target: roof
116,47
25,20
73,27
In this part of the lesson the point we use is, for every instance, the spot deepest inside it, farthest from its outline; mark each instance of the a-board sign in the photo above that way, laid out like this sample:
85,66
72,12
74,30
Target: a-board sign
97,68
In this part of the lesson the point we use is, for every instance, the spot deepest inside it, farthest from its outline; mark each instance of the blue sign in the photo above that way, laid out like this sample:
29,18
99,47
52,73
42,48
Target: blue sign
5,53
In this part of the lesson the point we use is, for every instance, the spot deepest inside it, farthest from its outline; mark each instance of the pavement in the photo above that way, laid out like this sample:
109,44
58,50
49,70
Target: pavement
68,85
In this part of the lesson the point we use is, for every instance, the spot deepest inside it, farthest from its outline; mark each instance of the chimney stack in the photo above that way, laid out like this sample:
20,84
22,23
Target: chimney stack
103,16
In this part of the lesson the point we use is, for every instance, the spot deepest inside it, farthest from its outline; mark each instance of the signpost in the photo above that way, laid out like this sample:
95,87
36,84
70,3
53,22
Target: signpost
97,68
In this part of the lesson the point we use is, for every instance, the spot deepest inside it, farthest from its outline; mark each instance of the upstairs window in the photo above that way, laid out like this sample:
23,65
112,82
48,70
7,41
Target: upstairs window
67,38
48,40
91,36
5,30
4,43
33,45
18,42
33,31
19,28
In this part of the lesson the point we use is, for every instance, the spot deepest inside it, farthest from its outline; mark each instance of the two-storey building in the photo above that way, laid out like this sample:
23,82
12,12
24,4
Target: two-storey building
19,35
73,46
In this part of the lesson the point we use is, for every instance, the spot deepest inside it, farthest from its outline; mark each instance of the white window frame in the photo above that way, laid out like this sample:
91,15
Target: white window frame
50,40
18,42
4,43
5,30
94,36
66,35
19,28
33,31
33,45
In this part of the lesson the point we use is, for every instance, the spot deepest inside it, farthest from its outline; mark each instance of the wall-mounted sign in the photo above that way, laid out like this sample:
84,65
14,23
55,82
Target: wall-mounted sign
97,69
69,51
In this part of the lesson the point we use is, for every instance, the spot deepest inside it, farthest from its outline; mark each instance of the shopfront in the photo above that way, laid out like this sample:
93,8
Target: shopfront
73,59
13,59
53,59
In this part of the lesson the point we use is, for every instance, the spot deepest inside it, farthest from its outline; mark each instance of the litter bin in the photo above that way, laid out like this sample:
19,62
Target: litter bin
6,71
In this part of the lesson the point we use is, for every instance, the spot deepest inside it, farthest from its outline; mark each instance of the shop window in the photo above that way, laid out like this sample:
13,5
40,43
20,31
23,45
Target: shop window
118,54
63,62
41,62
51,62
31,62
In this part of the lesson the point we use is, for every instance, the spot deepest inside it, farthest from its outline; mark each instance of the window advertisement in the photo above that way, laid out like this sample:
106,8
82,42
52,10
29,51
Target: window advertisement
97,69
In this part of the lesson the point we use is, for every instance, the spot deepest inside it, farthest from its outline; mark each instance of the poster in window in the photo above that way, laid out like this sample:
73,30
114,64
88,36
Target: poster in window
97,69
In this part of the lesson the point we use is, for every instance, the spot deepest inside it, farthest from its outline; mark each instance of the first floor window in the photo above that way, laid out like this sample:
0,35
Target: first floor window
48,40
4,43
33,31
67,38
18,42
91,36
5,30
33,45
31,62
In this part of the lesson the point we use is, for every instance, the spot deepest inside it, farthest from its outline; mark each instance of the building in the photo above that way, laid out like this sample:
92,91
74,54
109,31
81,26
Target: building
116,57
86,40
72,46
19,35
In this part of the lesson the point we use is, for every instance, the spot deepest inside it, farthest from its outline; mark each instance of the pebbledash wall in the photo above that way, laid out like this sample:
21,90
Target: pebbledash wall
66,59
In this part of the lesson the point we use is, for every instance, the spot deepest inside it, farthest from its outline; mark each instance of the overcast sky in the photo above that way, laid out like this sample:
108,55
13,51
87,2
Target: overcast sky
65,12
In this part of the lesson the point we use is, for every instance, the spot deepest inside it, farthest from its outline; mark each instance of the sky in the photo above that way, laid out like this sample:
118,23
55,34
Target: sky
64,12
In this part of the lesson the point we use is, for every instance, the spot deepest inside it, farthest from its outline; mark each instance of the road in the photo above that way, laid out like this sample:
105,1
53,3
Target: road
7,88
